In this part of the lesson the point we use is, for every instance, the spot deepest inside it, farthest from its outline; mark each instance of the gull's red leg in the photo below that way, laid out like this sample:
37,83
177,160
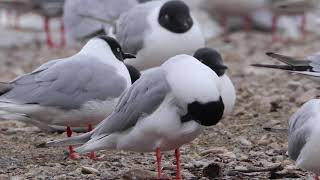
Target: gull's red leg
178,175
158,155
62,34
92,155
72,154
224,24
247,24
303,27
16,24
274,28
316,177
48,32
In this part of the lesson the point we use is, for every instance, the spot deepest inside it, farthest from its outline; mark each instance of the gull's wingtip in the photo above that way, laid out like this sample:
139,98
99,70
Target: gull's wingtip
70,141
270,53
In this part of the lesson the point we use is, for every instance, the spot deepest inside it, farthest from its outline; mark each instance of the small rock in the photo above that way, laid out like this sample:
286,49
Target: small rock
293,85
240,168
89,170
264,140
217,150
140,174
230,155
213,170
244,141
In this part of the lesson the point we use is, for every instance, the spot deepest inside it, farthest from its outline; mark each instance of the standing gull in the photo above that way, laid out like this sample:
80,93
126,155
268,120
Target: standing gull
164,109
77,91
157,30
51,9
303,137
227,8
290,7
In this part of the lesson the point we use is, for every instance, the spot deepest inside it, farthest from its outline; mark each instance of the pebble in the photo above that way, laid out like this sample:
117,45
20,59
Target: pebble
245,141
89,170
230,155
140,174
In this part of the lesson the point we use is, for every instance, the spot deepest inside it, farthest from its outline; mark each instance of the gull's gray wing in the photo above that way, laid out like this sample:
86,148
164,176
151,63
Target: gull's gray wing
79,27
133,25
300,127
67,84
140,100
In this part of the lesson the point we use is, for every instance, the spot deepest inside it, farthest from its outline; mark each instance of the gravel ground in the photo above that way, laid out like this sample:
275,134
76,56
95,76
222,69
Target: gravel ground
236,148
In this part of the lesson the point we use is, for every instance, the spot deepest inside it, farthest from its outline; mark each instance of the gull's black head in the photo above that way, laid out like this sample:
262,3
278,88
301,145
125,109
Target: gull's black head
212,59
175,16
116,48
206,114
134,73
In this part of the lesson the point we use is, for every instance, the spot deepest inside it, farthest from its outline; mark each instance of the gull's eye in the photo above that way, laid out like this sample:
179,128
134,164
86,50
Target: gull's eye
118,49
166,17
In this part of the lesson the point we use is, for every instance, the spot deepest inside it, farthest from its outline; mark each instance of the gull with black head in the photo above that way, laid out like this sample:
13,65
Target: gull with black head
167,107
77,91
157,30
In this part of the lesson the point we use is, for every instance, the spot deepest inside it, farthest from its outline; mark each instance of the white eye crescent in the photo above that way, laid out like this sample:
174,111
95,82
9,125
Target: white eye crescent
166,17
118,49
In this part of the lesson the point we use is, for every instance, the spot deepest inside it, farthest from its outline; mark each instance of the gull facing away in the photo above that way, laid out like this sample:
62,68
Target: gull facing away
79,27
164,109
303,137
213,59
77,91
309,66
157,30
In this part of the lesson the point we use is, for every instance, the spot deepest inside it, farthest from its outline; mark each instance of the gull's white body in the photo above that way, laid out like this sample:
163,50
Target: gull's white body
228,94
304,126
162,129
161,44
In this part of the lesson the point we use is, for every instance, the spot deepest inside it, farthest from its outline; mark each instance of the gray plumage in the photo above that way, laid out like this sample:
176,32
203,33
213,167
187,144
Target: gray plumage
132,26
141,99
315,61
300,127
79,27
66,83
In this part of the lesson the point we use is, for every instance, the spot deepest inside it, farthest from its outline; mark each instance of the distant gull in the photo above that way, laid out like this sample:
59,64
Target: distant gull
290,7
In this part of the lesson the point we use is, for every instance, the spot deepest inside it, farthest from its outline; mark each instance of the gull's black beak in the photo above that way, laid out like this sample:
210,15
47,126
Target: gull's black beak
222,66
128,56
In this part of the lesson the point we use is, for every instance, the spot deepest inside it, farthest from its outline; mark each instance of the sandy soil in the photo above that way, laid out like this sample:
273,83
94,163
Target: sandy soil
236,148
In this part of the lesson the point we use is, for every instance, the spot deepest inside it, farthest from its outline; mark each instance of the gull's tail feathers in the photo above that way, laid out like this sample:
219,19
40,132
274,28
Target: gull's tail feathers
70,141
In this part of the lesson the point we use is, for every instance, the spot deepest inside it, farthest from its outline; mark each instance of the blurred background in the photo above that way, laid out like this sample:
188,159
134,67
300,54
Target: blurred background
35,31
